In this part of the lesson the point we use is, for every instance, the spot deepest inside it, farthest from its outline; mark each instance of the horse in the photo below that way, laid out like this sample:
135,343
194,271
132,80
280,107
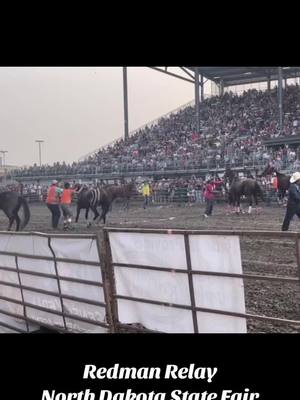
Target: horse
90,199
10,203
248,188
122,191
282,179
104,197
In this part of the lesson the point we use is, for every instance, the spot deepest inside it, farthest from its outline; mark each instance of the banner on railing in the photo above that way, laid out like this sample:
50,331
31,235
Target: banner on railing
58,279
174,283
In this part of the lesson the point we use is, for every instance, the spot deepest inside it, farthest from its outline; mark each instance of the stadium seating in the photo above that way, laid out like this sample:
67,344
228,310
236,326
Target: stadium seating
232,132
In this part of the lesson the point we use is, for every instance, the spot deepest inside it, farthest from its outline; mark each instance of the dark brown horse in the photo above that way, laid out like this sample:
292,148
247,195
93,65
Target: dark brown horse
125,191
237,188
10,203
282,179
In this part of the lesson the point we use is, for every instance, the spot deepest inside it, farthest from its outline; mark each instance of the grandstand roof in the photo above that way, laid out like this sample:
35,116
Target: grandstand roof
242,75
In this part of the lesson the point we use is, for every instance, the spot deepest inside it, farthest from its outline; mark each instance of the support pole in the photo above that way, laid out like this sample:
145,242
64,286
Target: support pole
40,154
197,105
280,114
269,83
221,88
201,89
126,133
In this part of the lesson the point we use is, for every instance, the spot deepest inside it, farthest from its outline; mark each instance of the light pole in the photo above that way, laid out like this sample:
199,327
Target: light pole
3,162
40,154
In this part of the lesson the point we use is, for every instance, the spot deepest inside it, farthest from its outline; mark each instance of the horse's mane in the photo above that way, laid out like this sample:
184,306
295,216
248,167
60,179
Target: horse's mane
269,170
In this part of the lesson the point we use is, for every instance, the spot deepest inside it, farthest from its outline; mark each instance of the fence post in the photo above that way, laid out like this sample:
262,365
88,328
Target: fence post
108,278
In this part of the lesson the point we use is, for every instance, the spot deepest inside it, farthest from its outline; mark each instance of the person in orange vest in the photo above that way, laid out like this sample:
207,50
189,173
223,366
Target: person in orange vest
52,202
65,201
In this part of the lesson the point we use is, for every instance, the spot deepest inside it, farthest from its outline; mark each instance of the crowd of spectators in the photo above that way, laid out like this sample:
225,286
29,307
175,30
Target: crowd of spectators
232,130
186,190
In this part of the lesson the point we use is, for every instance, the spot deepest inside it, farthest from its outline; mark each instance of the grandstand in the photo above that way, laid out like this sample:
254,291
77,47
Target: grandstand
244,131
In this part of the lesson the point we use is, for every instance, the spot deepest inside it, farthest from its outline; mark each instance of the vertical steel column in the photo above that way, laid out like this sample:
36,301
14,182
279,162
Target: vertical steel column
126,133
269,83
221,87
201,89
280,98
197,110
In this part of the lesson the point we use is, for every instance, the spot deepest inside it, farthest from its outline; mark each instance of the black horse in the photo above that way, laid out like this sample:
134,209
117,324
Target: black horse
83,201
237,188
10,203
282,179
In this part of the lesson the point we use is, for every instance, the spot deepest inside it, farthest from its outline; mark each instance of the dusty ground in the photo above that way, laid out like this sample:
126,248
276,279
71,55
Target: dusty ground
280,300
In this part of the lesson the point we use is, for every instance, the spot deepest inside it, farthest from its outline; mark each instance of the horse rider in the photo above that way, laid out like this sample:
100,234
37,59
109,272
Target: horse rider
209,196
293,204
146,193
65,202
52,201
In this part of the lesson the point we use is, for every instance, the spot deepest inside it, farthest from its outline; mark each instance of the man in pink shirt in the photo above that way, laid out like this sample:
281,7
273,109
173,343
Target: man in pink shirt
209,196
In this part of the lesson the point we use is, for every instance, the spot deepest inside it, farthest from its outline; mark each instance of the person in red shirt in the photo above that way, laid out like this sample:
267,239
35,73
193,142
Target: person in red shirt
65,202
275,182
209,196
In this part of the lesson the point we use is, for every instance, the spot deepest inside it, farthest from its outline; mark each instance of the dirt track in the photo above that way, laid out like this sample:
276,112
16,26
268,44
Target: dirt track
280,300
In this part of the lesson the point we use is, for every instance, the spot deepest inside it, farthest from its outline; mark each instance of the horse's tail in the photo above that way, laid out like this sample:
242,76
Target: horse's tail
26,211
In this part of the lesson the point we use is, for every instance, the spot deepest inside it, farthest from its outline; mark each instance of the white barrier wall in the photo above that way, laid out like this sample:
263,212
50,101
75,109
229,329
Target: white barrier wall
166,282
53,291
141,286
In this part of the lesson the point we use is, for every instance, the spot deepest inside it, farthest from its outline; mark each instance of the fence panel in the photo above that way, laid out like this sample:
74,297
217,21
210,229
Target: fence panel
157,288
189,281
52,280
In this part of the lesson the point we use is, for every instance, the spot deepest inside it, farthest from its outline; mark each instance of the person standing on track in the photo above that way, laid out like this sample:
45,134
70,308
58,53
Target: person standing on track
65,202
146,193
209,196
52,201
293,204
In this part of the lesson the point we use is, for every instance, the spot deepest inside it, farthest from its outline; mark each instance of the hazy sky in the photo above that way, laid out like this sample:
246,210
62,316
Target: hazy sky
75,110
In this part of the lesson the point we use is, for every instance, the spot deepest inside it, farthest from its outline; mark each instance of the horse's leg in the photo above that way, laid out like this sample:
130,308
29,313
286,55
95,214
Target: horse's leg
95,211
11,221
256,203
105,210
17,218
88,224
250,204
238,204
